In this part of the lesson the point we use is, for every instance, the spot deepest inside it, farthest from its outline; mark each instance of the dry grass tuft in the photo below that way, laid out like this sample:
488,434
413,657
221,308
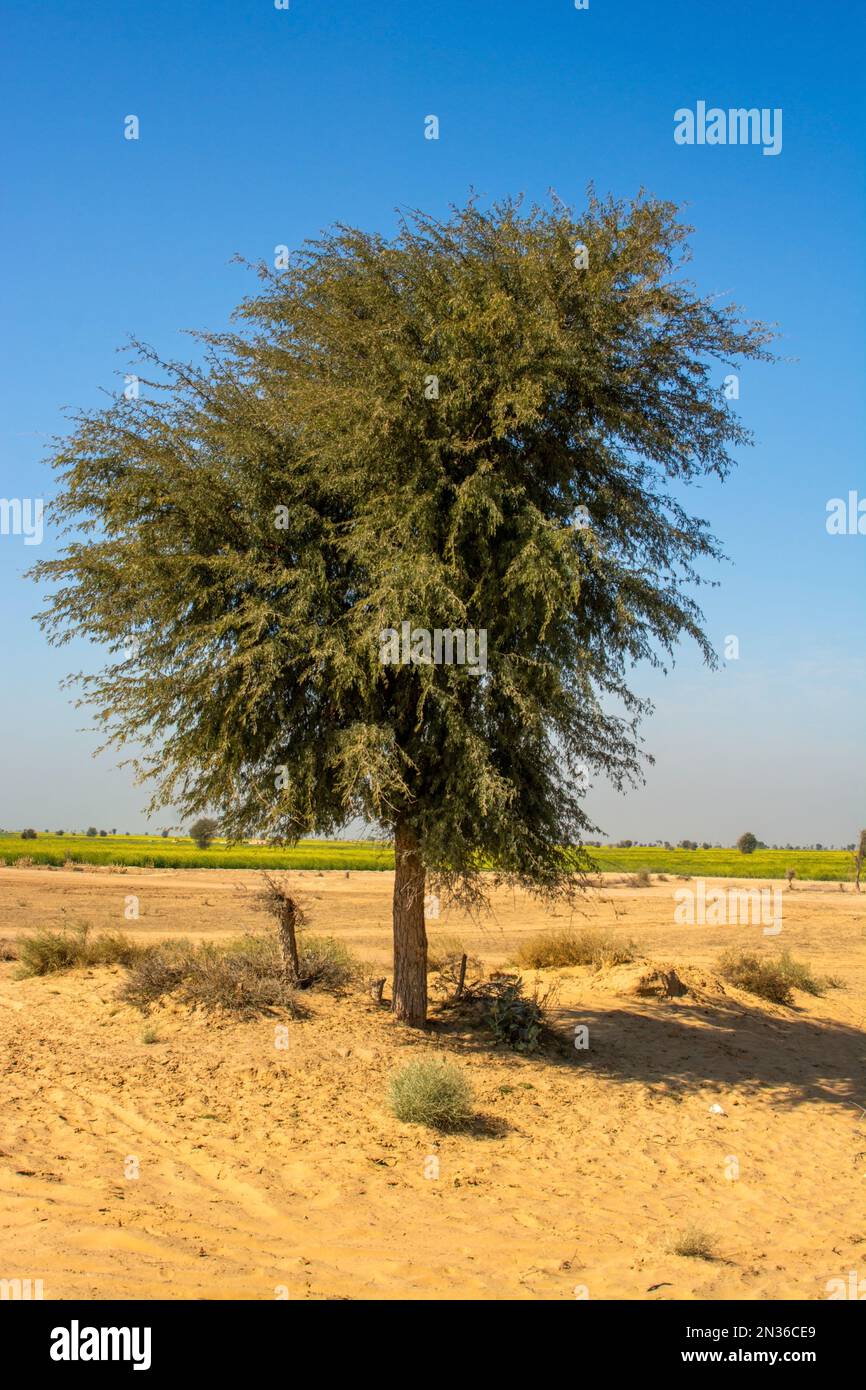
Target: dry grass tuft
243,976
694,1244
436,1094
45,952
770,977
550,950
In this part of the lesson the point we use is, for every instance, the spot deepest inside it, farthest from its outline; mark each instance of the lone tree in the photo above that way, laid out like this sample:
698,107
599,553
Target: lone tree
859,857
484,423
747,843
203,831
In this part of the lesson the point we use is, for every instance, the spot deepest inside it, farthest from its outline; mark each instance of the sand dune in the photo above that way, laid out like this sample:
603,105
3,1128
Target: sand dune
212,1164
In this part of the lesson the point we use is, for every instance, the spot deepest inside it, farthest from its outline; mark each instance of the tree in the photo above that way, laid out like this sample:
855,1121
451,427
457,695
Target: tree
859,857
91,829
203,831
471,426
29,834
747,843
277,899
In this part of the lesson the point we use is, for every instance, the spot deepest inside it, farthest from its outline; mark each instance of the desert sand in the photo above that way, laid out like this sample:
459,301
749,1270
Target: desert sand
214,1164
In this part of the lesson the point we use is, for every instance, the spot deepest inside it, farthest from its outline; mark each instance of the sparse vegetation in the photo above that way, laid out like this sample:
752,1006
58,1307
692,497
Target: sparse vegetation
8,949
513,1016
326,962
245,975
770,977
431,1093
554,949
47,951
694,1244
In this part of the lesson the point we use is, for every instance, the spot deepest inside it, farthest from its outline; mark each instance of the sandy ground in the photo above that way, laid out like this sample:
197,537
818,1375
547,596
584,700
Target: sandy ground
215,1164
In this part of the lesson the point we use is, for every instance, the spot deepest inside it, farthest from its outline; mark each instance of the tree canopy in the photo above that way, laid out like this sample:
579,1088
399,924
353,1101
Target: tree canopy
482,423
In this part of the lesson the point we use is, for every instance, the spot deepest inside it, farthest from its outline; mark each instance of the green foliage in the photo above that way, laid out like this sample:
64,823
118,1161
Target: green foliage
136,850
747,843
181,852
203,832
514,1017
436,1094
28,834
256,520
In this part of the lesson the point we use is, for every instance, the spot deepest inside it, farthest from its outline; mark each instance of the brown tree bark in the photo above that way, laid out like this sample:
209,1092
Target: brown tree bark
289,941
409,994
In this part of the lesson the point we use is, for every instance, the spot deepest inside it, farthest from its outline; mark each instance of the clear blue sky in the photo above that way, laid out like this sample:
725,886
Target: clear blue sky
261,126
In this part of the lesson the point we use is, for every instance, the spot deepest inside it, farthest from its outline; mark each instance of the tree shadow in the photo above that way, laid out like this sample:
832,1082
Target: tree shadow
678,1045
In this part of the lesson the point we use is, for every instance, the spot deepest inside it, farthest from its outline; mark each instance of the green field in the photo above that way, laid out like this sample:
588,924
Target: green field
179,852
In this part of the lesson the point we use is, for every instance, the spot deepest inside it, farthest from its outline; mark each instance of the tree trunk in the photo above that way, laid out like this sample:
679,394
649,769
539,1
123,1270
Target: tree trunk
409,995
289,941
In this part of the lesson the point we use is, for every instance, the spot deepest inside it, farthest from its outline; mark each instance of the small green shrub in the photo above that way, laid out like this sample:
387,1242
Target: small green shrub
514,1017
436,1094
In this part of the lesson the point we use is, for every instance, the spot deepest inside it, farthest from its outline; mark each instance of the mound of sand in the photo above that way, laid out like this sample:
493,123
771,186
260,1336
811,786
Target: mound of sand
225,1159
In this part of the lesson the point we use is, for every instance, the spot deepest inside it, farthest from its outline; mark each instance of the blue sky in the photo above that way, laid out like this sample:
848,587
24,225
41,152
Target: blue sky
260,127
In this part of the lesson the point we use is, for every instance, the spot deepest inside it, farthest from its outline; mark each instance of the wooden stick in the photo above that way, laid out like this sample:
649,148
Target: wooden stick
462,980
